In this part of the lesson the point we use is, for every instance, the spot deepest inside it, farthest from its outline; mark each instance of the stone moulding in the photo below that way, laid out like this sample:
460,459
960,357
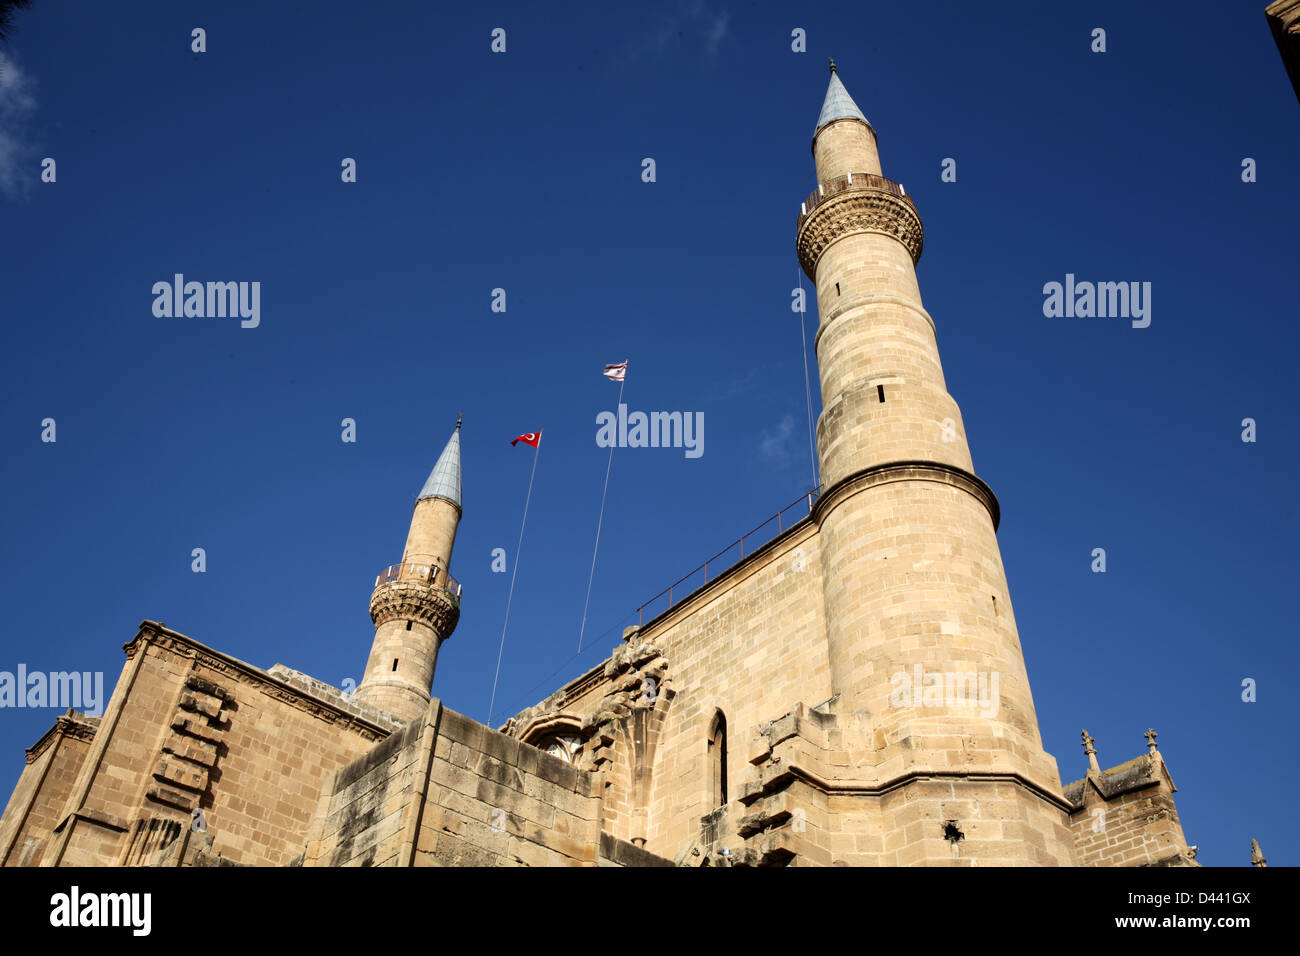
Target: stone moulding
409,600
829,499
865,209
1284,21
545,724
157,634
906,471
753,791
71,724
1137,774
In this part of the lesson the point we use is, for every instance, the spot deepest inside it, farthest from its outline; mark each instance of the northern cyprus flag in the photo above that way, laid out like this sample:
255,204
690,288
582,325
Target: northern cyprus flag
616,372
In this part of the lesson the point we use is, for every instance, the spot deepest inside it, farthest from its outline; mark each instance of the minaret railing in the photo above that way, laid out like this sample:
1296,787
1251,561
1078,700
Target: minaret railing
834,187
420,572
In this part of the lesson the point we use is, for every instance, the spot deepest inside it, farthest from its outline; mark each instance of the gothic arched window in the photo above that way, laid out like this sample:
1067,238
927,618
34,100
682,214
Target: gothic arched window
718,760
566,746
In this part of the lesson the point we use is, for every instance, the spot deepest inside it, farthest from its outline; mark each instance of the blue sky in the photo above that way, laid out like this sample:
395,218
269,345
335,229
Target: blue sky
522,171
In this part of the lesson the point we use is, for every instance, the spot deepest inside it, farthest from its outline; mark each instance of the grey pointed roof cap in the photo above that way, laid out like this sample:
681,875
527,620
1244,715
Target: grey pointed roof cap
444,480
838,104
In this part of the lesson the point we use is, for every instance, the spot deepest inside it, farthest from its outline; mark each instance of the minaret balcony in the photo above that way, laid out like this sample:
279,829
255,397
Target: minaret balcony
414,590
421,573
848,181
856,202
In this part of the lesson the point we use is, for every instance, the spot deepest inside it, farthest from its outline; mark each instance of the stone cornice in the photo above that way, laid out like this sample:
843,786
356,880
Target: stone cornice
326,692
415,601
154,633
877,474
1138,774
870,788
1284,21
705,592
72,724
1288,11
857,210
871,300
906,471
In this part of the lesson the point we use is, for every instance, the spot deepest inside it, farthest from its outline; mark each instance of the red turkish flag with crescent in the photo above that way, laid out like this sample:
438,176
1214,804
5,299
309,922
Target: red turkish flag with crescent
532,438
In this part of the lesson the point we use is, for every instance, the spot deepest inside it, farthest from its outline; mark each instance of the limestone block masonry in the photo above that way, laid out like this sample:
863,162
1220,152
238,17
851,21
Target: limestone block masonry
912,575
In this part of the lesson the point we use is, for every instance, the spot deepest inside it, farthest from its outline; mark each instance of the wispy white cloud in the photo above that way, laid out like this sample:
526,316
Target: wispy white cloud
716,32
737,386
775,443
17,104
682,30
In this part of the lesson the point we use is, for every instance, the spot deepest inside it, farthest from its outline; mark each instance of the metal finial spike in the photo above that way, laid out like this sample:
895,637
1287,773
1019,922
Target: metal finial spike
459,417
831,60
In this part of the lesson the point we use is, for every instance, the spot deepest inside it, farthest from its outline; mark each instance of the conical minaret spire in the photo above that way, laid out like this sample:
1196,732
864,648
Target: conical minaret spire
843,141
444,480
838,104
416,604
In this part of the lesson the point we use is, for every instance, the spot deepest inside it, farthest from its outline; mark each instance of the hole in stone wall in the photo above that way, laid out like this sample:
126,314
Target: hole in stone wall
951,833
408,625
995,605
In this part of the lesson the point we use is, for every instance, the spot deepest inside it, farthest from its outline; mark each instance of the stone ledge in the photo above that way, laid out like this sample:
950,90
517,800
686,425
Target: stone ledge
321,705
409,600
623,853
865,209
71,724
907,471
1137,774
332,695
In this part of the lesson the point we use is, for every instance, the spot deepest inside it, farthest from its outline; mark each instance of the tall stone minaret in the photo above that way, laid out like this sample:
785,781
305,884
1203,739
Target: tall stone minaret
915,592
416,604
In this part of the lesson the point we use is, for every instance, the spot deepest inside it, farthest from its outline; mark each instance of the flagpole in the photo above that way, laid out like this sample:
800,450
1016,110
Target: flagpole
515,570
610,464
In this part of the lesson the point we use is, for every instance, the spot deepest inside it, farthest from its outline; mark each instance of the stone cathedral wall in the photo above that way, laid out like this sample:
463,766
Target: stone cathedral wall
188,728
747,646
34,811
447,791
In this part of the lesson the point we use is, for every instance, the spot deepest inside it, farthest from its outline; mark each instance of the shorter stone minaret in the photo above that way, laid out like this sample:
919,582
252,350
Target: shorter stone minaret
416,604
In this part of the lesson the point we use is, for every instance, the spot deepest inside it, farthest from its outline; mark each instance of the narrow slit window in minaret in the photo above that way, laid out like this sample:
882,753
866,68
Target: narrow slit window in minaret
394,663
408,625
837,288
880,390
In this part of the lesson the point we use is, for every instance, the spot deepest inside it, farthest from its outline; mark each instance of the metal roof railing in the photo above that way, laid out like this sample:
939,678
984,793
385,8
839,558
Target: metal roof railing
781,524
